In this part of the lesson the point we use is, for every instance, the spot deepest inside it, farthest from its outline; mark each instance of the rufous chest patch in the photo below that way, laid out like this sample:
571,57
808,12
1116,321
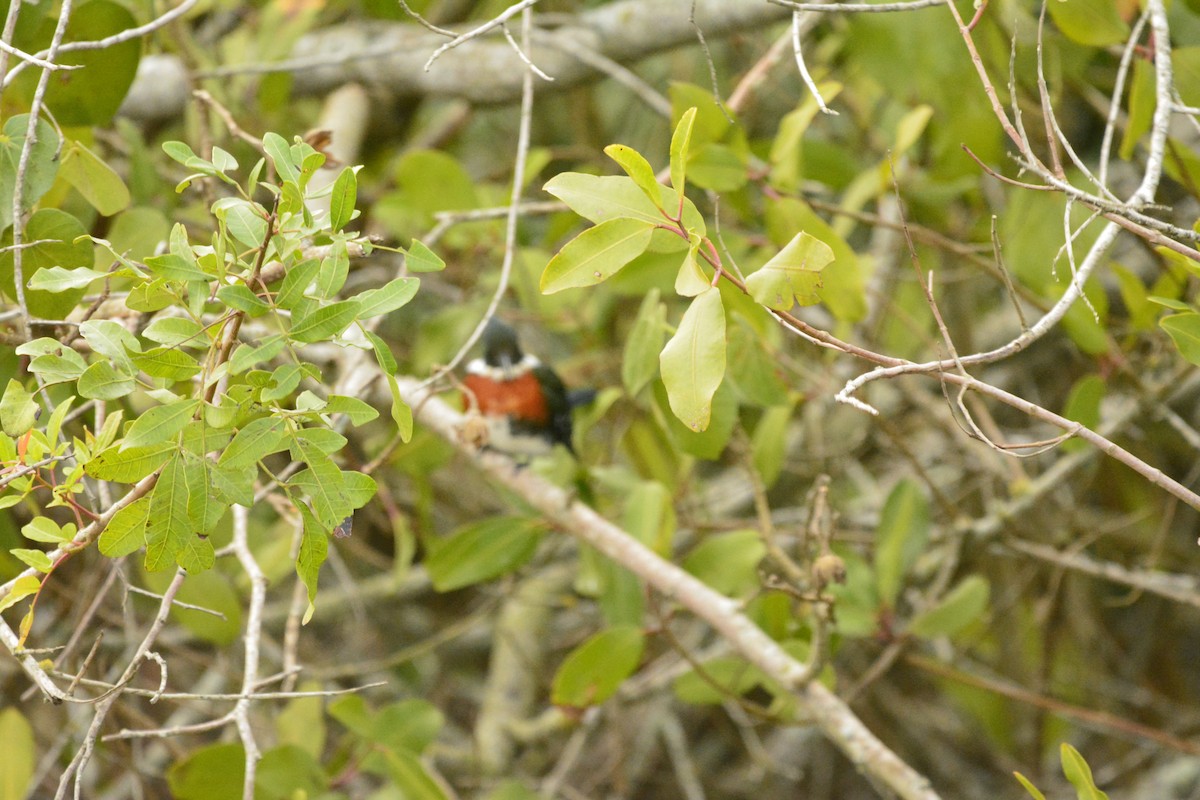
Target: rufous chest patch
520,398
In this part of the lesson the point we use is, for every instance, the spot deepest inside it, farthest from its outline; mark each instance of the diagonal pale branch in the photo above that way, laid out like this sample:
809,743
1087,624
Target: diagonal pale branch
835,719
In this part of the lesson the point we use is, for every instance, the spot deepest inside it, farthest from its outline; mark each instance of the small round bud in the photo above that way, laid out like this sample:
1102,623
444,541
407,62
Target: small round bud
474,431
829,568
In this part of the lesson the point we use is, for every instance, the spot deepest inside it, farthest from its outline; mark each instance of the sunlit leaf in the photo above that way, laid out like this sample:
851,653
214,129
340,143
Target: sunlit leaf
596,254
693,362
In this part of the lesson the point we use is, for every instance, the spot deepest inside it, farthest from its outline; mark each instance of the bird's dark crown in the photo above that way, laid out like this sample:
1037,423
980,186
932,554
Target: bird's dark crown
500,346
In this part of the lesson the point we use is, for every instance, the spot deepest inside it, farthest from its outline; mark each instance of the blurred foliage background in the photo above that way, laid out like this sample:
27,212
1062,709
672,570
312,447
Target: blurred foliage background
995,606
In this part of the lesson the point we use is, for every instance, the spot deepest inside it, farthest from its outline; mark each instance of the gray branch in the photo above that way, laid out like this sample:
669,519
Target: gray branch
392,56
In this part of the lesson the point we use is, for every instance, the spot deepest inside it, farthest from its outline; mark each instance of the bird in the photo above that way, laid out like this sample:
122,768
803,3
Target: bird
524,402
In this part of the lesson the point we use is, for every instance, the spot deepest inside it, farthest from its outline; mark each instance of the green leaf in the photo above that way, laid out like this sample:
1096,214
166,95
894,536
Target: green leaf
335,267
160,423
245,220
617,197
638,169
843,289
1077,771
92,94
174,267
768,446
285,379
239,297
57,279
170,538
57,417
1184,330
325,487
128,465
213,772
101,382
280,153
357,411
126,531
341,202
151,296
596,254
681,141
176,331
17,757
325,322
110,339
37,559
1142,102
1029,787
44,529
68,365
1083,405
295,283
691,280
323,439
728,562
732,675
288,771
420,258
233,484
693,362
393,295
247,356
55,239
359,487
594,671
167,362
482,551
18,410
645,341
910,128
410,725
410,777
314,549
40,170
719,168
20,589
99,183
793,275
902,534
1096,23
961,606
301,721
401,412
255,441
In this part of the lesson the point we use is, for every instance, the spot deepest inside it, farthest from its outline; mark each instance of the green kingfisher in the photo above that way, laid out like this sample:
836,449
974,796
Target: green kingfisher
525,403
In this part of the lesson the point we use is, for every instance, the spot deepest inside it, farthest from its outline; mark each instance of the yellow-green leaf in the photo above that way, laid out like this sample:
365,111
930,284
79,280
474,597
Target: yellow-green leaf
681,141
1184,330
902,534
158,424
638,169
16,756
20,589
693,362
793,275
691,280
596,254
961,606
99,183
595,670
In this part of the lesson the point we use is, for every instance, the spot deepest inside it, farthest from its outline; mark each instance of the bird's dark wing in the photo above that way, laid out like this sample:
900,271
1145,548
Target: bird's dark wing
557,403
